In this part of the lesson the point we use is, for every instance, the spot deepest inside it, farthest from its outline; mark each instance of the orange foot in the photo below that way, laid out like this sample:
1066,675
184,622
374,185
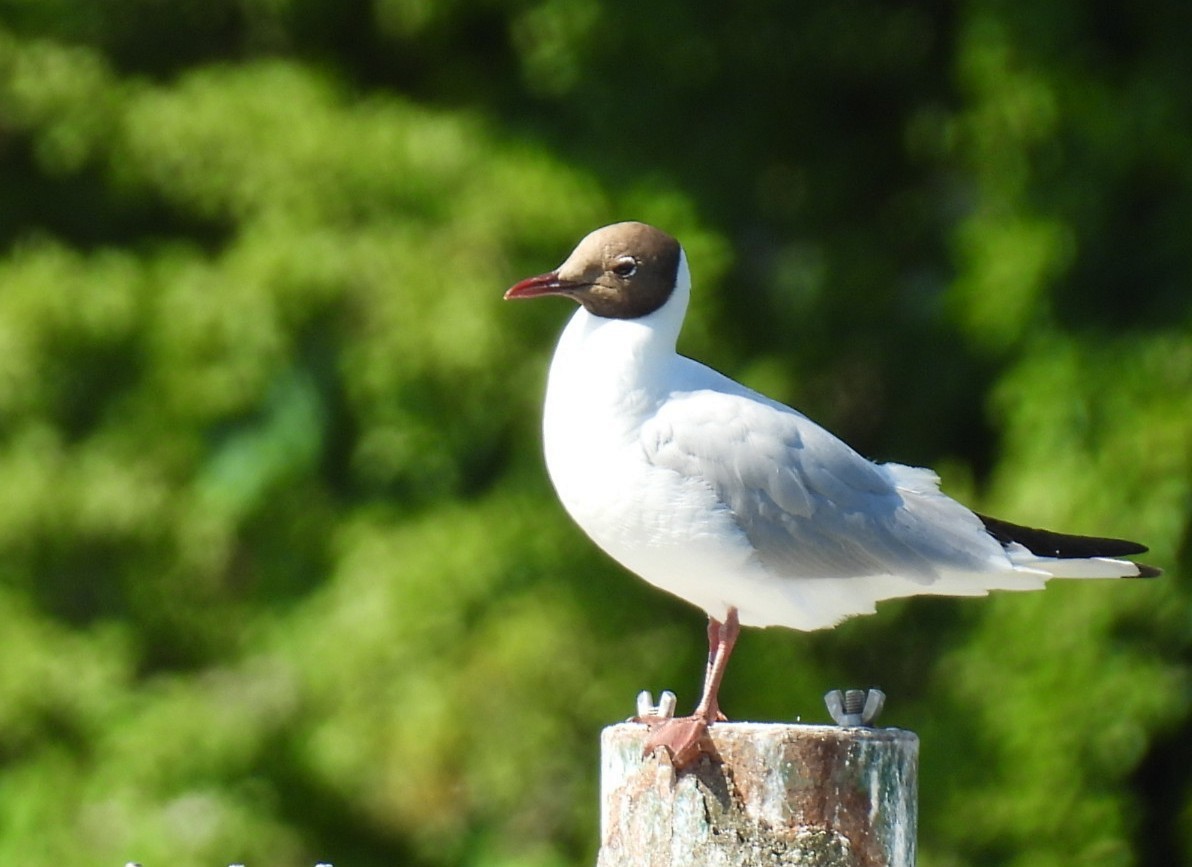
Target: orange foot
681,736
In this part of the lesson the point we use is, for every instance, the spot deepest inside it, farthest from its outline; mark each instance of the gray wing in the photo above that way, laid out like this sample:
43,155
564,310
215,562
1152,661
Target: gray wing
810,505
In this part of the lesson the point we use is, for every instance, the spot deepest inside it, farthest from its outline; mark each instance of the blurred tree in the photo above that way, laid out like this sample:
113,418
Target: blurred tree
281,578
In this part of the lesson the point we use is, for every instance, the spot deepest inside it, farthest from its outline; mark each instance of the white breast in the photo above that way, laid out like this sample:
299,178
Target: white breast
607,379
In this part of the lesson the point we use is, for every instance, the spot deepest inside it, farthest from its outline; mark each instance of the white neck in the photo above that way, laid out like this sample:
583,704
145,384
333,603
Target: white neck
614,368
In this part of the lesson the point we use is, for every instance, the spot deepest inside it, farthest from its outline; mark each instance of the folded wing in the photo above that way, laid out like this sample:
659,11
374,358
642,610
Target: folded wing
842,531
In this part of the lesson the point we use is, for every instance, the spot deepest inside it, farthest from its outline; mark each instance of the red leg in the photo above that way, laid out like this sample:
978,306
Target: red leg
681,736
714,627
725,640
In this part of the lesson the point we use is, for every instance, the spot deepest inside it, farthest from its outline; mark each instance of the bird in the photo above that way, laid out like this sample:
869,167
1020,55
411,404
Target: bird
736,502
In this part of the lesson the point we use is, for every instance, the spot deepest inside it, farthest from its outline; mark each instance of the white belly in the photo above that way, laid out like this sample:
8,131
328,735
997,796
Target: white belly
667,528
670,530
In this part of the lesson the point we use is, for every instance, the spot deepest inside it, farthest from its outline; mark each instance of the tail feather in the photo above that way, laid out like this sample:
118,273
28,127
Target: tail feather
1051,546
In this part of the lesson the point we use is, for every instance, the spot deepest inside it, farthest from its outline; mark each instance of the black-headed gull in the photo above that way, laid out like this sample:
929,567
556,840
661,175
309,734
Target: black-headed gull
735,502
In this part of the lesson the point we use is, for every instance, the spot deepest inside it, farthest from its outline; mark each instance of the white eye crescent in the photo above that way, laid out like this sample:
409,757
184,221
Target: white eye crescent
626,266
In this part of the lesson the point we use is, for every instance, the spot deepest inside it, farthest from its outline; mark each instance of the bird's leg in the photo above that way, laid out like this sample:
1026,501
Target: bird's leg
681,736
722,638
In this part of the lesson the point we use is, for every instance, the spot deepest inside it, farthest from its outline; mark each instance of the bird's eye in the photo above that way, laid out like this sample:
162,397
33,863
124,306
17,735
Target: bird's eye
625,267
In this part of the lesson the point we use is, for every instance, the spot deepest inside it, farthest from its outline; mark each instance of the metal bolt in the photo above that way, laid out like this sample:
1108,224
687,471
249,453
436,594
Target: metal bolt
855,707
665,709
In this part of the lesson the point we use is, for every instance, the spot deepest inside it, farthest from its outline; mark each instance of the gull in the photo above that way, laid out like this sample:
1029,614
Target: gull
735,502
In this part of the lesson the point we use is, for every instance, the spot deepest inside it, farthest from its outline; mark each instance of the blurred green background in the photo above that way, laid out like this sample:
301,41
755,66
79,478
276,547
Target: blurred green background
281,574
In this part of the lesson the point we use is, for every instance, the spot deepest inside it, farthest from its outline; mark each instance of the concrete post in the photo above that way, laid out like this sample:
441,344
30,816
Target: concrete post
820,796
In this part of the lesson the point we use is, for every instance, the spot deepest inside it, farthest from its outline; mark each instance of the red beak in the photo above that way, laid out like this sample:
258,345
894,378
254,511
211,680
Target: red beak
543,284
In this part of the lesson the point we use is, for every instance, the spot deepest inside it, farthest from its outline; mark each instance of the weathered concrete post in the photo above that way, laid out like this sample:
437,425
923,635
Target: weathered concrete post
820,796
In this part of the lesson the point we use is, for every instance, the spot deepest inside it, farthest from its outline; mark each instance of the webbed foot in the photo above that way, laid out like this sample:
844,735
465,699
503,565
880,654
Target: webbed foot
682,737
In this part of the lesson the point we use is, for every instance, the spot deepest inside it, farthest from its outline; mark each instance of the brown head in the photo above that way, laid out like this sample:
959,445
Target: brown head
623,271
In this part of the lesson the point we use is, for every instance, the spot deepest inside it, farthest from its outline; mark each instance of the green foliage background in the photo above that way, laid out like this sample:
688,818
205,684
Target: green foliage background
281,576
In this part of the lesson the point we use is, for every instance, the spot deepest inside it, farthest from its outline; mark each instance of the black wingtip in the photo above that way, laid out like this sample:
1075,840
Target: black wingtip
1047,543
